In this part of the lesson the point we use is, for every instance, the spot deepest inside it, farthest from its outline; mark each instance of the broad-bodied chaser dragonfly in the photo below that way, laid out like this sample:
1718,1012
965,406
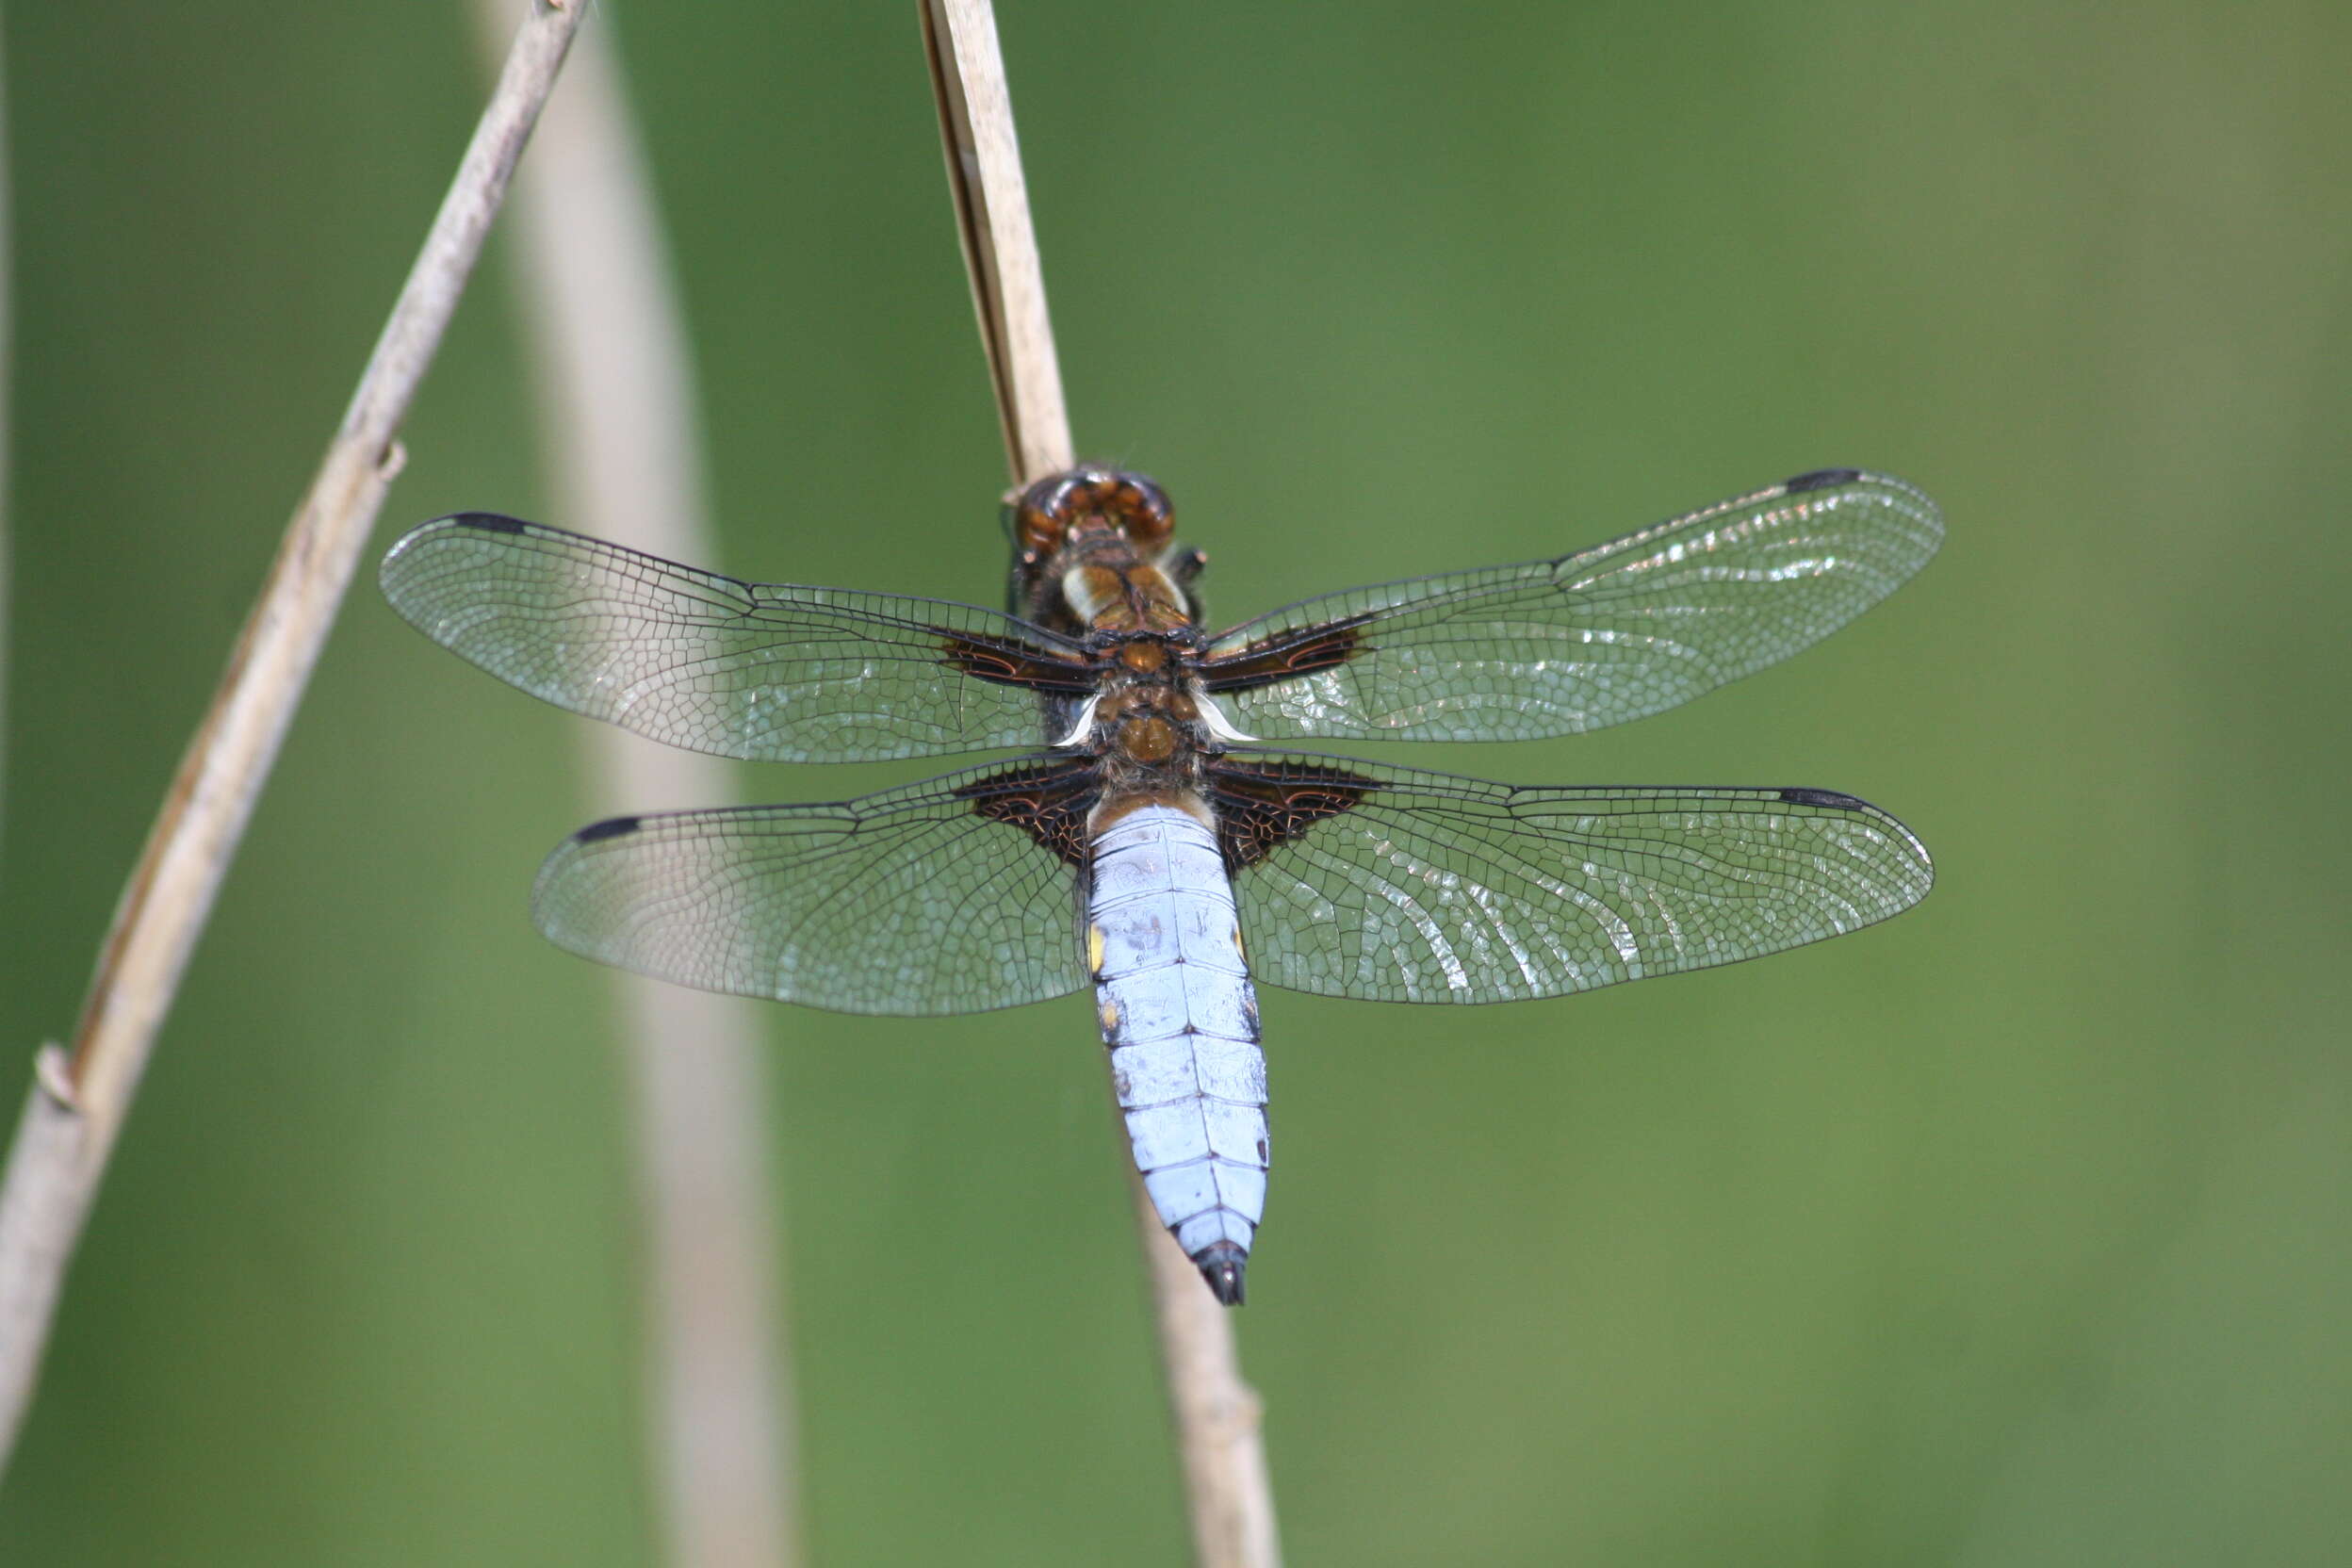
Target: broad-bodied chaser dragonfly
1154,848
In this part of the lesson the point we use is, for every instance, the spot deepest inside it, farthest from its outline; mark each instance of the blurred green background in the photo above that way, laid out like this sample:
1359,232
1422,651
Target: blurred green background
2012,1232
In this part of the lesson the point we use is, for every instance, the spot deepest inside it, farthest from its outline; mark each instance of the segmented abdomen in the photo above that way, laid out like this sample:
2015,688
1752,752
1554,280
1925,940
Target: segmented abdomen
1179,1013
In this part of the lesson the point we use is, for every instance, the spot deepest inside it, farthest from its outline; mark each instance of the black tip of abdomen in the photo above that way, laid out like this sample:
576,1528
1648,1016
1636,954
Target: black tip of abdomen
1221,1263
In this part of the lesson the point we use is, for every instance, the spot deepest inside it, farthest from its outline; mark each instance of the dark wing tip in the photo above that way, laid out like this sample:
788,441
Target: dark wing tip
1221,1263
457,522
1831,798
1922,865
611,827
1819,479
485,522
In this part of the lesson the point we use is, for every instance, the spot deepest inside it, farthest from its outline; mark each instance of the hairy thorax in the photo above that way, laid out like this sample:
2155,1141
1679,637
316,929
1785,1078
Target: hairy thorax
1096,561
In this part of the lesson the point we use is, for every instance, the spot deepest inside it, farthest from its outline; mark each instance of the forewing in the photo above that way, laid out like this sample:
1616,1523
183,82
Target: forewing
1363,881
766,671
1554,648
954,896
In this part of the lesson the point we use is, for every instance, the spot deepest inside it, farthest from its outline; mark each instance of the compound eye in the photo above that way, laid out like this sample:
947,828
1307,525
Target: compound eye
1044,514
1037,531
1144,512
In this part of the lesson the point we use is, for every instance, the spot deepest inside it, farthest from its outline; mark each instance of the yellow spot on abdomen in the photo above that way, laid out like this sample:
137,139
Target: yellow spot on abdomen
1094,950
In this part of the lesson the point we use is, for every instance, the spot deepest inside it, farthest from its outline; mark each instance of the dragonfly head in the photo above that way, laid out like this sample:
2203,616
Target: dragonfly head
1092,552
1057,509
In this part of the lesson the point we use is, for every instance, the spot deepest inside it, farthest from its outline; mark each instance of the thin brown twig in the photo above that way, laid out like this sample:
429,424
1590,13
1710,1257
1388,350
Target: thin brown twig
77,1103
619,439
1000,244
1229,1495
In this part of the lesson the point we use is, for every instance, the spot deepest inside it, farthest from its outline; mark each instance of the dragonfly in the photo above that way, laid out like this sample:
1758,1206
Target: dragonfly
1157,843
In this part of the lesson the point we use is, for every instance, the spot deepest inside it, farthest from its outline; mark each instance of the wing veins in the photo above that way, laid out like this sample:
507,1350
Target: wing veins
1680,608
1494,891
766,671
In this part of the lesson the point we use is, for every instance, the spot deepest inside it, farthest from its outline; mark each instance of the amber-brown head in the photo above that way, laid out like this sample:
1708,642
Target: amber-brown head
1057,509
1092,553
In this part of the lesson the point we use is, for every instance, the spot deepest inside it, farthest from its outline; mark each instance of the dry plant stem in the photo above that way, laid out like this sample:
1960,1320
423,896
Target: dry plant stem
1000,244
619,439
77,1104
1229,1495
1218,1417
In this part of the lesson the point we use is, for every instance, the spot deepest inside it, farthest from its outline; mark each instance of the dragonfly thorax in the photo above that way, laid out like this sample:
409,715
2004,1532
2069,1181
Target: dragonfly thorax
1149,717
1109,593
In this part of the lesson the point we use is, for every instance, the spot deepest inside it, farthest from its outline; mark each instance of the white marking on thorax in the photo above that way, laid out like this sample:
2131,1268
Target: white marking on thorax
1212,718
1084,725
1079,592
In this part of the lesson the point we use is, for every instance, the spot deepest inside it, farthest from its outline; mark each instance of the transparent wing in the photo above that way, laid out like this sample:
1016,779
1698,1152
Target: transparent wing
954,896
1363,881
764,671
1553,648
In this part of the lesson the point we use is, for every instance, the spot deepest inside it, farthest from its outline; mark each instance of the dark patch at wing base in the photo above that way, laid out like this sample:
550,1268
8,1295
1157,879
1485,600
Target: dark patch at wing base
1049,801
1284,658
1009,664
1261,806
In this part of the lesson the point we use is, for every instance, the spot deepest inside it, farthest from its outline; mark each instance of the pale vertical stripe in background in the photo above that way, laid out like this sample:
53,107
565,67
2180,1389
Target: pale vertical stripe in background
7,323
620,445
